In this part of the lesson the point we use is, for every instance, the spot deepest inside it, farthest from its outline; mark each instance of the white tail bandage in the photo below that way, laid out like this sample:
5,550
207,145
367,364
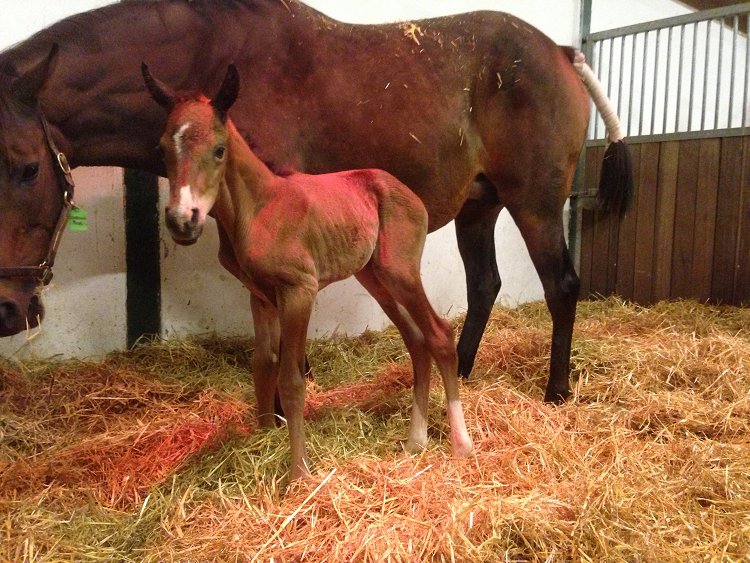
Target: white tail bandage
601,101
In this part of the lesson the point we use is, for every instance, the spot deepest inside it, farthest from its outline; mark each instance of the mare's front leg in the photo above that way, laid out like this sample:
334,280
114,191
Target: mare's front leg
295,305
475,233
265,359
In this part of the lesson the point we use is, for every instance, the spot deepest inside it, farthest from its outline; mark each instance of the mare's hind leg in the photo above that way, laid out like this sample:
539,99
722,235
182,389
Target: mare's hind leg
543,234
475,232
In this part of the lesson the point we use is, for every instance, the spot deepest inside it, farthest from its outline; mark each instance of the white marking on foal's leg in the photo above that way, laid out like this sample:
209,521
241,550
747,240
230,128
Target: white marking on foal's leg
177,137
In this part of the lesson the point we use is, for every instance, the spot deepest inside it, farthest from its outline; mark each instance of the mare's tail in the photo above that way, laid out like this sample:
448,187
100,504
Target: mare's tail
616,182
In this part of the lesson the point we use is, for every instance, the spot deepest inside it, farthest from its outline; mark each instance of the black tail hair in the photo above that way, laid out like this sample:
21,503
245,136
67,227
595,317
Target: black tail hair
616,182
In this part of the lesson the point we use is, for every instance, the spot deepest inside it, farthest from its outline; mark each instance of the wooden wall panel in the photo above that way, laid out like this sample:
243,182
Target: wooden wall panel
643,266
742,273
684,220
664,220
705,218
729,191
687,234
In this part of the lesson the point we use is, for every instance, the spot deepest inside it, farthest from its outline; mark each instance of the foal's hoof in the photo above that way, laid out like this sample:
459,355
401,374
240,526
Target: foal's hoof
413,447
557,396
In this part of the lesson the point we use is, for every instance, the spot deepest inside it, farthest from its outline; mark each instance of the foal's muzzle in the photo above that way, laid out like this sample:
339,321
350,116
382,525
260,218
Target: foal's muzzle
184,230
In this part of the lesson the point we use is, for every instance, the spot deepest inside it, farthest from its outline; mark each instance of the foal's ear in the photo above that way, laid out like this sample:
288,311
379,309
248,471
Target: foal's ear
228,92
26,87
163,94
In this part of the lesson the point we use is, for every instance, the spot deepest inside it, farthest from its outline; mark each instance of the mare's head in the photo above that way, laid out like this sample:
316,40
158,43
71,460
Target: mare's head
32,190
194,148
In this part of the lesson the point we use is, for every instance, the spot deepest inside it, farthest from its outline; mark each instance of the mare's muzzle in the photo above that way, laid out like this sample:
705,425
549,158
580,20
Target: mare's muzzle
19,312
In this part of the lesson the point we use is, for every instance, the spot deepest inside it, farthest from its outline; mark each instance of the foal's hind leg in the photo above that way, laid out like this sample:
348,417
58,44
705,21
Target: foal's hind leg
404,285
420,358
439,340
543,234
475,233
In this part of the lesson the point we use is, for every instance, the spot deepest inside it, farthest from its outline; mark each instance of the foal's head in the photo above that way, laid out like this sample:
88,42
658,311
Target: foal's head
194,148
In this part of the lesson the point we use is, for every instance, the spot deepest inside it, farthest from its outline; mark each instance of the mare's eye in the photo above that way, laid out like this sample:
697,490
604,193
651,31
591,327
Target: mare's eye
220,152
30,172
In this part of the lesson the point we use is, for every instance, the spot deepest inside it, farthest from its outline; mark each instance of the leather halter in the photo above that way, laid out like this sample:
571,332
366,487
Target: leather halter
42,272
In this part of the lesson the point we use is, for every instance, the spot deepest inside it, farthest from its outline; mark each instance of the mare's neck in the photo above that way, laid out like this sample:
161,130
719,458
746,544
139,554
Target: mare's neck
248,183
96,101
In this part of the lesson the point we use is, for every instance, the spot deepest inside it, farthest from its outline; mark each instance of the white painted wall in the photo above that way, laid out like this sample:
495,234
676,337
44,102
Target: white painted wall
86,302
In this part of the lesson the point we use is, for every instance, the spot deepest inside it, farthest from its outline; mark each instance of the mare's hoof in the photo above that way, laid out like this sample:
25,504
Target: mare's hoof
464,368
557,396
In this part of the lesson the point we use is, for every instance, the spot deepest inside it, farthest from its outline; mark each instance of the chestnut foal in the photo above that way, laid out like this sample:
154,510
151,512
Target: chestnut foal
293,235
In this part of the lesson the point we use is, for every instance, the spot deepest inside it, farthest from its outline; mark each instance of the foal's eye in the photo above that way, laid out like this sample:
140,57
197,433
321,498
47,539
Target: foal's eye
30,172
220,152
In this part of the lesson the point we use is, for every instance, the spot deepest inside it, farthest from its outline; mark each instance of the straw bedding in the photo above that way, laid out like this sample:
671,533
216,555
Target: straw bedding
151,455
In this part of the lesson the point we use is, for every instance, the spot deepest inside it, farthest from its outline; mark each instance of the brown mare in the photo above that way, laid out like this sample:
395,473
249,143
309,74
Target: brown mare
483,113
293,235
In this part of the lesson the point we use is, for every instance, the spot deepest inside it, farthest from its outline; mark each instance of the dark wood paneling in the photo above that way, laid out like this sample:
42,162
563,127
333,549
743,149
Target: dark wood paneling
742,276
705,218
664,220
728,219
643,267
684,220
688,233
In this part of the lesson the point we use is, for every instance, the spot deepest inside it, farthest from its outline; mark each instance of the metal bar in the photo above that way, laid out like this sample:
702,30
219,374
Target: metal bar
643,83
619,85
666,80
693,17
656,80
609,70
747,74
679,79
692,74
708,134
705,75
718,74
632,87
732,85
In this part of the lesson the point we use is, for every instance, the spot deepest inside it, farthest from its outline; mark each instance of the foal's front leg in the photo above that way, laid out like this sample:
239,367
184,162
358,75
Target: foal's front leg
265,359
295,305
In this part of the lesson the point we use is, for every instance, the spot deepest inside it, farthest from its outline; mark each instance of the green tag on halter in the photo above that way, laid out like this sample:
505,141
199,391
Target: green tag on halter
78,220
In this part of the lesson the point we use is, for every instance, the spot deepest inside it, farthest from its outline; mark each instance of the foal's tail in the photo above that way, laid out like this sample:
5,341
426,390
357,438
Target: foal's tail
616,182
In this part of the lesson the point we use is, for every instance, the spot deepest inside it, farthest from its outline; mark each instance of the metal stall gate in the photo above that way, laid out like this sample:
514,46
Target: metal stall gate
681,88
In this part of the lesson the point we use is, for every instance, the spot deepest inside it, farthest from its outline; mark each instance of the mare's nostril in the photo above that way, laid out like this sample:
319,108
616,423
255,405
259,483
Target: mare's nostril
10,315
